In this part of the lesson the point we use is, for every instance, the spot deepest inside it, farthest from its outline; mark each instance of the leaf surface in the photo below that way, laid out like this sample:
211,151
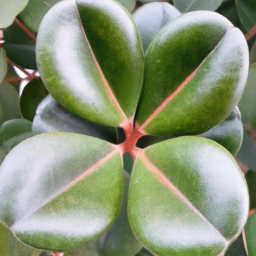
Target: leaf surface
250,234
3,65
237,248
250,177
194,5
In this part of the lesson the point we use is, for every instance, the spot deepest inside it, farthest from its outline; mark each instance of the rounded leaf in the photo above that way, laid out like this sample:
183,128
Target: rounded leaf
250,235
92,62
3,65
201,84
150,18
194,5
187,196
60,191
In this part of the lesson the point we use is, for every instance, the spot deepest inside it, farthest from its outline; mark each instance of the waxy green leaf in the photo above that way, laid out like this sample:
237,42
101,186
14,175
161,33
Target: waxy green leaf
96,77
200,85
9,9
31,96
250,177
187,197
237,248
60,191
194,5
3,65
52,117
151,17
250,235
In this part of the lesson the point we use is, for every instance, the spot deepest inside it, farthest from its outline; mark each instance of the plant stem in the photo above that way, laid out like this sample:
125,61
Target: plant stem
12,80
25,29
250,33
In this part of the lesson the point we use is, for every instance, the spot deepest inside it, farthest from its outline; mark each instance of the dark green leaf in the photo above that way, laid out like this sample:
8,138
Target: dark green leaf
250,177
179,201
250,234
192,92
237,248
107,76
119,239
60,191
150,18
3,65
89,250
253,53
128,162
194,5
52,117
144,252
31,96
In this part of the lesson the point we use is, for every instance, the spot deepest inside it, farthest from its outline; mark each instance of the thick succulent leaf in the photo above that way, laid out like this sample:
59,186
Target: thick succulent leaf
187,197
13,132
250,234
144,252
48,192
194,91
52,117
237,248
250,177
9,103
229,133
9,10
119,239
89,250
31,96
150,18
95,76
247,152
247,104
10,246
247,12
3,65
194,5
20,48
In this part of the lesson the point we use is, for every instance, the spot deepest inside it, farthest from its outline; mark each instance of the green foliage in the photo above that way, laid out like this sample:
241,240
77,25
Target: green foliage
194,5
3,65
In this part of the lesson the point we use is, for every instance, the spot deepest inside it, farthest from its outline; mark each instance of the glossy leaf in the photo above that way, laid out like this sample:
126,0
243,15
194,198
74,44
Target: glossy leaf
237,248
247,104
9,9
3,65
9,103
229,133
10,246
179,201
151,17
20,48
247,12
194,91
250,234
89,250
194,5
31,96
13,132
52,117
247,152
119,239
48,192
250,177
96,77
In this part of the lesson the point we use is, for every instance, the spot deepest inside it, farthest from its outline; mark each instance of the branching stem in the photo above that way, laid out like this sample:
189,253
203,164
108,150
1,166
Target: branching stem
250,33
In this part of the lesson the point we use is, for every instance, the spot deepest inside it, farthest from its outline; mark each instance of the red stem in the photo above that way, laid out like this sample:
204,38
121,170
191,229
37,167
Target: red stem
12,80
25,29
250,33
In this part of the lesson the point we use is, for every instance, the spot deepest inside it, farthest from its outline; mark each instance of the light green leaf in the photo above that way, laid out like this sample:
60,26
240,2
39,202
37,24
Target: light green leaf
3,65
194,5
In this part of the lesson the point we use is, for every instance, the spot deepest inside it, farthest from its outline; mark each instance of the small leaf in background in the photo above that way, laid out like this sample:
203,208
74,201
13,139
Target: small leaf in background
250,234
229,133
247,104
20,48
3,65
119,239
250,177
68,191
10,246
33,93
52,117
177,204
247,12
237,248
9,10
150,18
15,79
89,250
247,152
9,103
194,5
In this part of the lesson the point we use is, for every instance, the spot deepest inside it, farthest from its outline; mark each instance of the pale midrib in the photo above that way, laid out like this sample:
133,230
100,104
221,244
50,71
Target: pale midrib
105,82
90,170
164,180
179,89
245,242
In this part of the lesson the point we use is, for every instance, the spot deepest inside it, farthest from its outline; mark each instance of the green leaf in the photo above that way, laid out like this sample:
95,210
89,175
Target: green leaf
247,152
10,246
192,92
128,4
247,104
119,239
9,103
52,117
3,65
68,191
103,83
31,96
247,12
237,248
128,162
250,234
89,250
11,74
13,132
179,201
20,48
229,133
253,53
150,18
144,252
194,5
9,9
250,177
